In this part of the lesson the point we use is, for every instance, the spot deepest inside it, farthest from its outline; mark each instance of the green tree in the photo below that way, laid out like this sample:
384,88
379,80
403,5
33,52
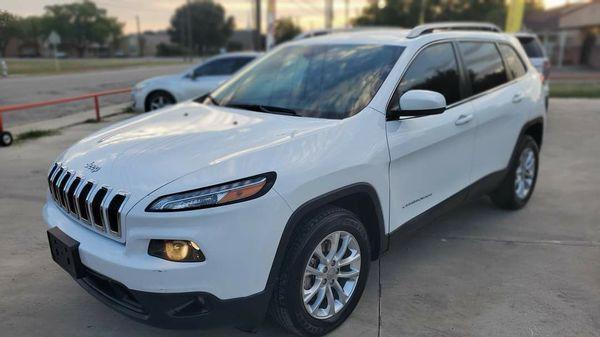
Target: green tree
285,29
32,32
405,13
210,29
82,23
8,29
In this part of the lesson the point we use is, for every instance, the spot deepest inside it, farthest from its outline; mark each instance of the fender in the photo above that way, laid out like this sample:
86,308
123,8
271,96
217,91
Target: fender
318,202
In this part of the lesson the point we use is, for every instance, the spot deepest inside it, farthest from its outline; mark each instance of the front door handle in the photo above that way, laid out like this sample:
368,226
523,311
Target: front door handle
464,119
517,98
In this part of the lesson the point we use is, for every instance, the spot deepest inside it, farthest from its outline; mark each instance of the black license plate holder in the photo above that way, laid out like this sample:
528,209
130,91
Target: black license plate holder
65,252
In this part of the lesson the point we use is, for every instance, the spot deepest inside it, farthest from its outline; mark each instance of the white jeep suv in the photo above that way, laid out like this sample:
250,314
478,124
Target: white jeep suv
276,192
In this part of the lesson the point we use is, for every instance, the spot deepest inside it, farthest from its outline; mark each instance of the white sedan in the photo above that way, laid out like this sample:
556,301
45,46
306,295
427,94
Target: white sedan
157,92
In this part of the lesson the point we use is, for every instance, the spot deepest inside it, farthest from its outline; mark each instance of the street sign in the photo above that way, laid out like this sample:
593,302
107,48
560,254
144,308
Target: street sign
54,41
54,38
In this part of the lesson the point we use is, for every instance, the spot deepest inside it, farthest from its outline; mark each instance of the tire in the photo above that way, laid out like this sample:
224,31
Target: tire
288,308
509,194
158,99
6,138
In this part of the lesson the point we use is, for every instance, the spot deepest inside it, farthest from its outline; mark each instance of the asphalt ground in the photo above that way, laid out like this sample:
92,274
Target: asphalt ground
476,271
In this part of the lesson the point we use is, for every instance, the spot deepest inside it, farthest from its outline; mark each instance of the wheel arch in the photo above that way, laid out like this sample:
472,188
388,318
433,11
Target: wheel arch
535,129
359,198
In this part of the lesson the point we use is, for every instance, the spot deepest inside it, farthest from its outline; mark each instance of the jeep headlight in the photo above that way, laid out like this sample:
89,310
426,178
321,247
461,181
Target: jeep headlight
217,195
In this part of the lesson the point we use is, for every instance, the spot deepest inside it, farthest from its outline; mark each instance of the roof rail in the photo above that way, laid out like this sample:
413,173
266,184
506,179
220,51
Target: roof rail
431,27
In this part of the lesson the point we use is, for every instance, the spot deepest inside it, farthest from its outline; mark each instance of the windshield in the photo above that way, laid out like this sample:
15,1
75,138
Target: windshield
323,81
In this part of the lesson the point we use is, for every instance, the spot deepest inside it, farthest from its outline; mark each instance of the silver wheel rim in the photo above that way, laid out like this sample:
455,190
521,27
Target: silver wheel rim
6,138
159,101
331,275
525,173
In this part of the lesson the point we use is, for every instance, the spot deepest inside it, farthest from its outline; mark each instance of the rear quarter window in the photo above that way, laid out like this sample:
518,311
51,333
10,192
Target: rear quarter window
515,65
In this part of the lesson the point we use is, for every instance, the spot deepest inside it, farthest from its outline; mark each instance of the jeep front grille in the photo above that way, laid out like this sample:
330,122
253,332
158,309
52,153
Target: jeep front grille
93,204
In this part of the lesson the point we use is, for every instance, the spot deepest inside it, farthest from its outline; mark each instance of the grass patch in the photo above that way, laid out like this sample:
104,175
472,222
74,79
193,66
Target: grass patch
128,110
35,134
38,66
575,89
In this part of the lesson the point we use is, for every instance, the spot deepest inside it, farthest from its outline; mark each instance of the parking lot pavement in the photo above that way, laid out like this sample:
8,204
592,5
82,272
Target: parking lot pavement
477,271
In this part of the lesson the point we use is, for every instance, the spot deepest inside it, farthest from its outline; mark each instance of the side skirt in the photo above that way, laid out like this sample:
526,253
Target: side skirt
476,190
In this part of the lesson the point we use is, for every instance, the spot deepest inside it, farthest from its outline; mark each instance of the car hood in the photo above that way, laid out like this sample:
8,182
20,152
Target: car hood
144,153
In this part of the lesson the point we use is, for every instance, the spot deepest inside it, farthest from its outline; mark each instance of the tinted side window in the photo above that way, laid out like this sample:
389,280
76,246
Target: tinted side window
515,65
532,46
216,68
240,62
483,65
435,69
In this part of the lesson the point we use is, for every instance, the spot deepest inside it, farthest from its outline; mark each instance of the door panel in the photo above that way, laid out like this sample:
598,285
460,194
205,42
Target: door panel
500,116
430,161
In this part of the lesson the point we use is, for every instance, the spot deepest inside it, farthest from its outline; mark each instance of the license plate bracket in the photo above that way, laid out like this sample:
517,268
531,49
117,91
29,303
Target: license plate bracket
65,252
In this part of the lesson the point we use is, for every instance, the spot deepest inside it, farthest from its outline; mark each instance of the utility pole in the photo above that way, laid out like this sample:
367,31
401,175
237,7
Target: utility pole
257,22
139,36
328,14
347,13
271,17
422,12
189,30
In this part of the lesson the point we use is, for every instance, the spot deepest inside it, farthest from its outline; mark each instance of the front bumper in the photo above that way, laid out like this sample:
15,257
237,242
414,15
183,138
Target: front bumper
138,101
239,241
180,310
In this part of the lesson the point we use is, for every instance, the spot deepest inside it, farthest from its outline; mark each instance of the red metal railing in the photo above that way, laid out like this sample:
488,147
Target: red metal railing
93,96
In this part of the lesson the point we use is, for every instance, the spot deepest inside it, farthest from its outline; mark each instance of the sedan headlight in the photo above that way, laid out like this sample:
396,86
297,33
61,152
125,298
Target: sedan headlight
218,195
139,86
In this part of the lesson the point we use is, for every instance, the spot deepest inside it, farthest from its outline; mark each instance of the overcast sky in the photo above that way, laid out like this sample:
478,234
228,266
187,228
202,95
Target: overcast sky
155,14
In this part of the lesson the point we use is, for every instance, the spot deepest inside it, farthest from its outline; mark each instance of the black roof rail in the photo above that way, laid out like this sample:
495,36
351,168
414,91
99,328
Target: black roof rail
432,27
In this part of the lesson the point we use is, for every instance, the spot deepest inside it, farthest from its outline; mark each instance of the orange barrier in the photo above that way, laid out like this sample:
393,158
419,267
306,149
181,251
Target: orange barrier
25,106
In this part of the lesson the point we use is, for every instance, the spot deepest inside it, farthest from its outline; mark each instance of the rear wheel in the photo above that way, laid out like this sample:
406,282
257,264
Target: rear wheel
323,274
158,100
517,187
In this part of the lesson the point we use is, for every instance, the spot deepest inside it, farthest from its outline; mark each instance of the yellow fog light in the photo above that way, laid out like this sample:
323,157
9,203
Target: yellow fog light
176,250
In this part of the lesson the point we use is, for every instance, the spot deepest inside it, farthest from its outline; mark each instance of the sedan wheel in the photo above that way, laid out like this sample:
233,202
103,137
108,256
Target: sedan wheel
159,100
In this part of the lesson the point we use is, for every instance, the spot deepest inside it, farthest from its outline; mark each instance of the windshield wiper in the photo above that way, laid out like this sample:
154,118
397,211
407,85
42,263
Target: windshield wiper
265,108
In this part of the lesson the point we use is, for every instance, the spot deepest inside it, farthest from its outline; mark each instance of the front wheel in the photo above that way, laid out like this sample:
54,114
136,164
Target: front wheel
6,138
158,100
517,187
324,273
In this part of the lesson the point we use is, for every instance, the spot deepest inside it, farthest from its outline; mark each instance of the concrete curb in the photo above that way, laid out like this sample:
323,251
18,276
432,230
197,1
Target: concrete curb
69,120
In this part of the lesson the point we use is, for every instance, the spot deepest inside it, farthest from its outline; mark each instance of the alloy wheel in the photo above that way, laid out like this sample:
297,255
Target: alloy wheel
331,275
525,173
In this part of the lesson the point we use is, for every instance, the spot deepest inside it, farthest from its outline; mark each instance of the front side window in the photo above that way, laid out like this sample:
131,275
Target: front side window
435,69
323,81
483,65
515,65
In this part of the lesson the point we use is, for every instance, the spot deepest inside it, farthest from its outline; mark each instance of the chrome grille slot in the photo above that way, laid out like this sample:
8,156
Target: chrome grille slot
97,207
87,201
81,201
61,189
55,183
50,176
114,213
72,202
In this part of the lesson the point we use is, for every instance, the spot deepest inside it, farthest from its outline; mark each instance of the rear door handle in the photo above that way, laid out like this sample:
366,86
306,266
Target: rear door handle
464,119
517,98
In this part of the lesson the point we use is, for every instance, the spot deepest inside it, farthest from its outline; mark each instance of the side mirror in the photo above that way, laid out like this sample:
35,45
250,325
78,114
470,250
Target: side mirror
418,103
